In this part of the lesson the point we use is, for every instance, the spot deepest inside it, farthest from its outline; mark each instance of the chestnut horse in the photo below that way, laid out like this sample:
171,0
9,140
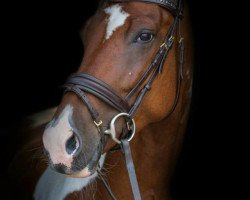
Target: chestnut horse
134,63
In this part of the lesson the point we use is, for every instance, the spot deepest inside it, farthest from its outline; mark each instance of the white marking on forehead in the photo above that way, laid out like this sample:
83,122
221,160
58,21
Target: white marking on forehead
56,135
117,18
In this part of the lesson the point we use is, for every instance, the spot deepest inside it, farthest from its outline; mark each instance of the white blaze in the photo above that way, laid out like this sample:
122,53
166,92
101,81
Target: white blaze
56,135
117,18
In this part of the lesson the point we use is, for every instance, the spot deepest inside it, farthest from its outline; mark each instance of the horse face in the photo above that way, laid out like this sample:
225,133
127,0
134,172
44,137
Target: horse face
120,42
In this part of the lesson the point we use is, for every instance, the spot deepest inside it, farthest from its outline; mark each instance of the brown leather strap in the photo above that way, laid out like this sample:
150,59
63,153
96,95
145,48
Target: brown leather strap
73,88
159,58
94,114
168,4
99,89
156,66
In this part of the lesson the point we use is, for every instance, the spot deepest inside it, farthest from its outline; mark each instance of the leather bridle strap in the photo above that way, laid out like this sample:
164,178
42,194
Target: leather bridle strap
125,147
73,88
94,114
98,88
170,5
156,66
130,168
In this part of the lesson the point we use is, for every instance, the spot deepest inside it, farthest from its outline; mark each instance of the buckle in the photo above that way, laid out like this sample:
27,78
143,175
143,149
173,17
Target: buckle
98,123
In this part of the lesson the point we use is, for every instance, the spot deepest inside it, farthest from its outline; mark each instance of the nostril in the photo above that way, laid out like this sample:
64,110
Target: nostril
72,145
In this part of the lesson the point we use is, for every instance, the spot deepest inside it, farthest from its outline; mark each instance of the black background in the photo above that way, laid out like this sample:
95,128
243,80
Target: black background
41,46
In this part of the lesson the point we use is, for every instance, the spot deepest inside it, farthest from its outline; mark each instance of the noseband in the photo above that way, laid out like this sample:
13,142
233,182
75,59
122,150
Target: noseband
81,83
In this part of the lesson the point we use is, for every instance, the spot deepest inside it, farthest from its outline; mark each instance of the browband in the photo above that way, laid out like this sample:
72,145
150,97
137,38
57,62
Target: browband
168,4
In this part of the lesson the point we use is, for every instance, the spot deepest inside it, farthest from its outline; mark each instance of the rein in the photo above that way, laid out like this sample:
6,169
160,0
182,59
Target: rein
81,83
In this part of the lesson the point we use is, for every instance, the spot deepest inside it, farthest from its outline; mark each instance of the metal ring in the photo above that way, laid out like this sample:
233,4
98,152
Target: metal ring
112,131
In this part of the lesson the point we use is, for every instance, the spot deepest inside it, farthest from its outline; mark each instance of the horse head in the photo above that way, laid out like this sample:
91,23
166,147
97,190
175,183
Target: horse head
122,44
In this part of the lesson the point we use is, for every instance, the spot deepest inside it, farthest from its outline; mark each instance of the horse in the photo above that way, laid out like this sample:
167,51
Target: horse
119,127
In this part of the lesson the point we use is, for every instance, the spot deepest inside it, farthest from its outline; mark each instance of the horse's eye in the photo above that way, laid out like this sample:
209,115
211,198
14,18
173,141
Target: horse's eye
145,37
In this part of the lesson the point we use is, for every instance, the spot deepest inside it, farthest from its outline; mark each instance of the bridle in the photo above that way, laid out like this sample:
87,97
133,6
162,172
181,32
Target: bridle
81,83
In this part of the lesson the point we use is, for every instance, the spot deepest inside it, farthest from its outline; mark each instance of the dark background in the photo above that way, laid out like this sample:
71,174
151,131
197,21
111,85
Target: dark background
41,46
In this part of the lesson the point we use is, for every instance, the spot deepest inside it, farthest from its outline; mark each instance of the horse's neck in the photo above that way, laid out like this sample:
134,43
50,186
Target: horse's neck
154,149
154,152
159,143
